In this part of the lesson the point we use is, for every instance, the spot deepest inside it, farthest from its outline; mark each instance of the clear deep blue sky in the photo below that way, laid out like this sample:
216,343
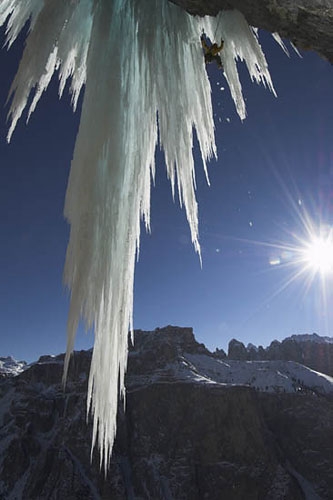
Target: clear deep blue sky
272,169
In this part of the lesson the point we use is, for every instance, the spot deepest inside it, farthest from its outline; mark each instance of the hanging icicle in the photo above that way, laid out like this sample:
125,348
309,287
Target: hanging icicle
138,60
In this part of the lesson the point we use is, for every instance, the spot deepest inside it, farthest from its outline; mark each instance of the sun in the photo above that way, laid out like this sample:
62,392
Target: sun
305,257
318,254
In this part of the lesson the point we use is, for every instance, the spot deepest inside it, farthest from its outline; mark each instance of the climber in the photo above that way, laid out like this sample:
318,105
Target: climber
211,52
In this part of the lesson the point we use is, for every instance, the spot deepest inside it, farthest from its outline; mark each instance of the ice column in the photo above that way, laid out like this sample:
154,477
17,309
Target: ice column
142,65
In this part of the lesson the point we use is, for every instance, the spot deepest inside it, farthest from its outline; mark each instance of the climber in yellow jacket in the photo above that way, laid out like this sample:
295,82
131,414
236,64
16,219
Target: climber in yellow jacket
211,52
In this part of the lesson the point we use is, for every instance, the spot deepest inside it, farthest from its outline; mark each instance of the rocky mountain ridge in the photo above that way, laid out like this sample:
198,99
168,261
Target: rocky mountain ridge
196,426
311,350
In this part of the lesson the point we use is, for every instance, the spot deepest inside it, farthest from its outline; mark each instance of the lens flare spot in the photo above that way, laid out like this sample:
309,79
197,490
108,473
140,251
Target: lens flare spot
274,261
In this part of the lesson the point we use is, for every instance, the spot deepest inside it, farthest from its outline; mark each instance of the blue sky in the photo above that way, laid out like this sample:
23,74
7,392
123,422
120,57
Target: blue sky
273,169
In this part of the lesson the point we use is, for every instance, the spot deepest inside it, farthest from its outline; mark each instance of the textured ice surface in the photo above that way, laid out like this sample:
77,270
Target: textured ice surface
142,66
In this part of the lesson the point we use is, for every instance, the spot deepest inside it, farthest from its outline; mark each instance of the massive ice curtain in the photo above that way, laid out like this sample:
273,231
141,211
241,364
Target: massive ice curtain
145,82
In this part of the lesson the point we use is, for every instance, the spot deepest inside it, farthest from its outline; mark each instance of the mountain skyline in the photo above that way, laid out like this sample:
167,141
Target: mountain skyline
310,350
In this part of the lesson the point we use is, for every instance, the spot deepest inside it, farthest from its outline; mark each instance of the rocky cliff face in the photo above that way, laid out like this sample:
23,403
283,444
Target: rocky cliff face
307,23
195,427
310,350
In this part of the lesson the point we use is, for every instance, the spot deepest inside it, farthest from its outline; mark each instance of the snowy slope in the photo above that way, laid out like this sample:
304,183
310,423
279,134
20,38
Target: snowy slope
204,368
268,376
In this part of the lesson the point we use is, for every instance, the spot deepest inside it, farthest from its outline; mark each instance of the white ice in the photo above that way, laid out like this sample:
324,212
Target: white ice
145,80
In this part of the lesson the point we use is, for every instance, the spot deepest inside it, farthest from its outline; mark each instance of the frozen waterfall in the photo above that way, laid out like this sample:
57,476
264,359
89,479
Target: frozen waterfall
145,82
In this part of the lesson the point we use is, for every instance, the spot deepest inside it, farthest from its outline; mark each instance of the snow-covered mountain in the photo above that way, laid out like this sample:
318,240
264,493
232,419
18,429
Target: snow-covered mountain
192,362
196,426
274,371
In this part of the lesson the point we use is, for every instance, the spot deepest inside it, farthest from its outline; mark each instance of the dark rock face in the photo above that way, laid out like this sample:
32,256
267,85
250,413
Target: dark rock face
237,350
309,350
307,23
219,353
315,355
180,438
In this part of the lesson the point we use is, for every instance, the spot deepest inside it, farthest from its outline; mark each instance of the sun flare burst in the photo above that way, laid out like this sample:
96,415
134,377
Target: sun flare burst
318,253
301,261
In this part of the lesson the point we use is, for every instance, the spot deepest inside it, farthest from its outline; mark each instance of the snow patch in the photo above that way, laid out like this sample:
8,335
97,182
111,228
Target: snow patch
9,366
267,376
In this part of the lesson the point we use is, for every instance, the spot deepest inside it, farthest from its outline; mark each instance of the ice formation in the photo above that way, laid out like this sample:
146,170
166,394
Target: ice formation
145,82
